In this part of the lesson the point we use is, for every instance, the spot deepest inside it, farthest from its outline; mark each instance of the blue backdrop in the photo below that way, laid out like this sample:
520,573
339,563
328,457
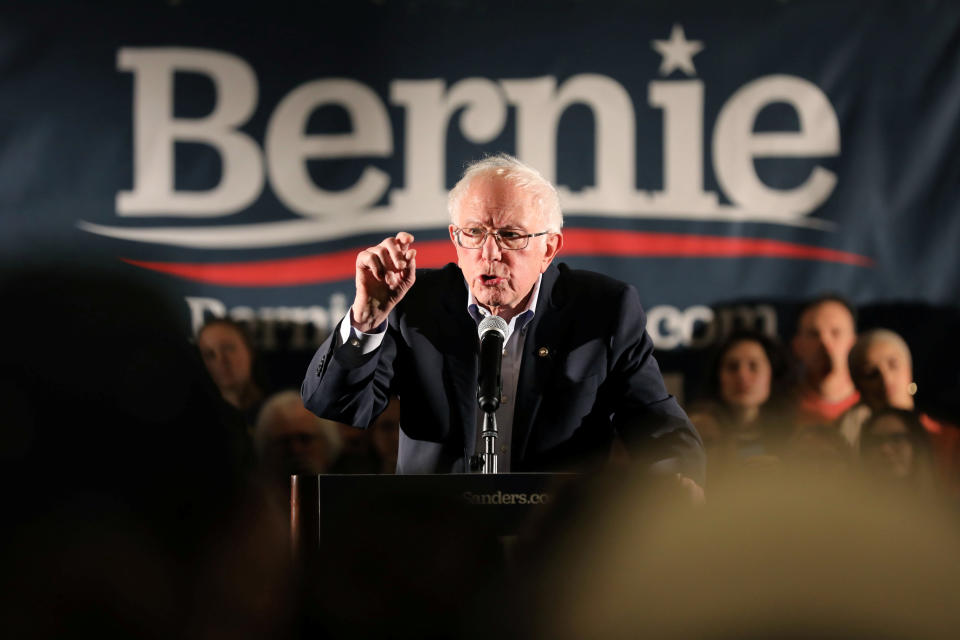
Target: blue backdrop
729,161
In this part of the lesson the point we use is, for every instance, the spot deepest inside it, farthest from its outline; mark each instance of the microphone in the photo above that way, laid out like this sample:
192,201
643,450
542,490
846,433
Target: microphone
493,333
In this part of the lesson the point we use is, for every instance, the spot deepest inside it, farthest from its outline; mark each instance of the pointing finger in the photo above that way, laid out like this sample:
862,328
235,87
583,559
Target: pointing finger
404,239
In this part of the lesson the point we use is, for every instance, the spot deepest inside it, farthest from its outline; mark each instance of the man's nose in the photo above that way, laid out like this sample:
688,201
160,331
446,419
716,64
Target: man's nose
490,249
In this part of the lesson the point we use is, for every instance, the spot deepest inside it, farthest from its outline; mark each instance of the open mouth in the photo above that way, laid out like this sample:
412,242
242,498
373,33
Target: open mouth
490,279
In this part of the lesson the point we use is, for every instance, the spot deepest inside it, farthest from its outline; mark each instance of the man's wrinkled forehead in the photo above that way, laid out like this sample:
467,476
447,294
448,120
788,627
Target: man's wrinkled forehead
496,199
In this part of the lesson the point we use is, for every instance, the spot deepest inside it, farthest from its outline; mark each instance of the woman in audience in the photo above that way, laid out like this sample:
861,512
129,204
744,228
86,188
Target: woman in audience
228,354
748,383
882,370
895,450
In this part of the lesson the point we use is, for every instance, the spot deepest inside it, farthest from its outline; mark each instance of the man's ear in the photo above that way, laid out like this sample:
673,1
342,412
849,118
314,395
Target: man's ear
554,244
453,238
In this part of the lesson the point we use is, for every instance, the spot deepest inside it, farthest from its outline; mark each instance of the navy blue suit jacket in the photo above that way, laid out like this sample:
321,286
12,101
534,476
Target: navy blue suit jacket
598,377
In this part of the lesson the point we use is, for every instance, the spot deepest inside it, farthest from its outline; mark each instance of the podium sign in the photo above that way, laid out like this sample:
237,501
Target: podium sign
327,511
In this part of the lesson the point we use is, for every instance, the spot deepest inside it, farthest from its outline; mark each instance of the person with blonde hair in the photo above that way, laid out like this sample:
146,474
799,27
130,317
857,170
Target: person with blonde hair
882,369
290,440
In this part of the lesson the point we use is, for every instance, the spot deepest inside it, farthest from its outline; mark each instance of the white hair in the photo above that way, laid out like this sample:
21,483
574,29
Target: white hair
858,353
518,174
280,404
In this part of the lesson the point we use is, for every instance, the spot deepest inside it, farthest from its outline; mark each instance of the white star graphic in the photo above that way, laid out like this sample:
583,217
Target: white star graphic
677,52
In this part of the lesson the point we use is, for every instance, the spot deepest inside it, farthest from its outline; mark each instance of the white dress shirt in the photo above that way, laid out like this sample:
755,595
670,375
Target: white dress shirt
509,372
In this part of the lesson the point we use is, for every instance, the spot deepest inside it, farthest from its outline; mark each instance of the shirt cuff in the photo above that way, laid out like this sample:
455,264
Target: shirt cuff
365,342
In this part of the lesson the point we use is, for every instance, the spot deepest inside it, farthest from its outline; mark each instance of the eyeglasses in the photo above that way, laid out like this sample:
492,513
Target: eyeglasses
475,237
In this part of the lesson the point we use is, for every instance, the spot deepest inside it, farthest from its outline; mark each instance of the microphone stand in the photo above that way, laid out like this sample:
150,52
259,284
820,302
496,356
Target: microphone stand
489,433
493,333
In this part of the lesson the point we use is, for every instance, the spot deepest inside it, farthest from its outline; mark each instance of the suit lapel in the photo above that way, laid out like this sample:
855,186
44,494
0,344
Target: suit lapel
539,356
459,373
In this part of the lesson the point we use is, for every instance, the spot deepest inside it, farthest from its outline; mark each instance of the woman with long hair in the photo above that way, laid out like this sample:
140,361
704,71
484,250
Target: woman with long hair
749,382
228,353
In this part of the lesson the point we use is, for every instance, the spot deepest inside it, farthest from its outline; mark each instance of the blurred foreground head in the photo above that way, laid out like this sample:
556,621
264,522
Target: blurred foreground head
125,493
794,557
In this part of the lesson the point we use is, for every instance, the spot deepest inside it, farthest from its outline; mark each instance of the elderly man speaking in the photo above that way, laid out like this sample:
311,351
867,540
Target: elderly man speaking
577,368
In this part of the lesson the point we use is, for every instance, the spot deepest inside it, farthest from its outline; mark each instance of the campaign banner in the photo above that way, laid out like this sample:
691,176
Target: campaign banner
729,161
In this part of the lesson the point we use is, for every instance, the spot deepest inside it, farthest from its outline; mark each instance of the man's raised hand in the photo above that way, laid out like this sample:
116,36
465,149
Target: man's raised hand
384,275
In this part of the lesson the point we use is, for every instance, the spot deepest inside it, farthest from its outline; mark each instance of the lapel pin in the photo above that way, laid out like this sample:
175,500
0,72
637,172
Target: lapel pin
543,352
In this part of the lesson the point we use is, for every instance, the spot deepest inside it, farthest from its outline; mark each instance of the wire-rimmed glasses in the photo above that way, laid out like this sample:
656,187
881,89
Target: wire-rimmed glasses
474,237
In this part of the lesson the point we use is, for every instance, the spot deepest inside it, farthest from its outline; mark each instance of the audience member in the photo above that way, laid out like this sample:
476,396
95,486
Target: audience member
825,333
368,451
289,440
818,451
882,370
228,353
358,453
896,452
747,385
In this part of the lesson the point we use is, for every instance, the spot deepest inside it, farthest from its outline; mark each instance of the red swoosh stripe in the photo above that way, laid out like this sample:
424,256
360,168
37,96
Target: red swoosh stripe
662,245
331,267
